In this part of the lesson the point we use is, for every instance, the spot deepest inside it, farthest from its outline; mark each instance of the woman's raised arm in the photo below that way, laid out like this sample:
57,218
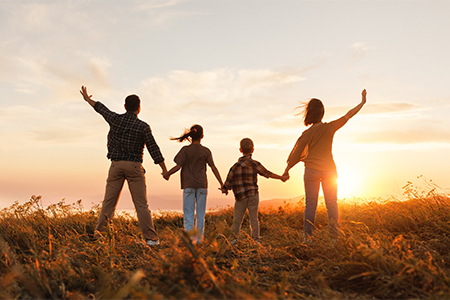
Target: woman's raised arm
358,107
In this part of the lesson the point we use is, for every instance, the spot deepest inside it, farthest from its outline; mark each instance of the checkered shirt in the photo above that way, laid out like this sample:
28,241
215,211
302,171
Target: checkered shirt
127,136
242,177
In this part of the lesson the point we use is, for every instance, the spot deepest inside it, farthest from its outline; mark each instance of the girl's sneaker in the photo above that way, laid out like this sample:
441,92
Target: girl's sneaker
152,243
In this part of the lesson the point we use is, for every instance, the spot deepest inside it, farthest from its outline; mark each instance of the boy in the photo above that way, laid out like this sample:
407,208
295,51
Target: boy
242,179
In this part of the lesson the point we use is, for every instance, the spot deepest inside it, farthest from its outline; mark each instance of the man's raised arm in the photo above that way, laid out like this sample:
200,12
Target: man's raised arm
86,96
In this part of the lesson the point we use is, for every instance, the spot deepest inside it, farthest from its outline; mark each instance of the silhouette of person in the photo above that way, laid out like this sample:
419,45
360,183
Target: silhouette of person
127,138
314,148
192,161
242,178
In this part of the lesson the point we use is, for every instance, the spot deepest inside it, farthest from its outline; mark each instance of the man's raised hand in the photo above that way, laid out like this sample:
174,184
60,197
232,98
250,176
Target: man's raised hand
86,96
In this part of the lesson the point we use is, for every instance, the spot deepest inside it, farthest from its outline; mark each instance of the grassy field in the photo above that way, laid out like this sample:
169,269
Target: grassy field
388,250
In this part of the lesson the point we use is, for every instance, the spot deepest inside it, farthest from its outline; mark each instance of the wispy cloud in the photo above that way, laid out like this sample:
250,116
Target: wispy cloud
160,13
407,136
359,49
218,88
150,5
51,46
375,108
229,102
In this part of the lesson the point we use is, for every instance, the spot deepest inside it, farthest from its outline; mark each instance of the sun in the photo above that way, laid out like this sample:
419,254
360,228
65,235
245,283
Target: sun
348,183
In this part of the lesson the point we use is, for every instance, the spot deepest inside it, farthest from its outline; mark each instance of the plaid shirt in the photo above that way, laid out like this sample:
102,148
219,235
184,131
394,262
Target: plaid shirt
242,177
127,136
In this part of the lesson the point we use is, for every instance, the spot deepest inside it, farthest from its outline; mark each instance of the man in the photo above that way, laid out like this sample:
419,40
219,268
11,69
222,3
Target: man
126,140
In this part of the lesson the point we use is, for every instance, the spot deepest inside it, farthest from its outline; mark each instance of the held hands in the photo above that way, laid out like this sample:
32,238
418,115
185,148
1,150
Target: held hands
165,175
285,176
224,190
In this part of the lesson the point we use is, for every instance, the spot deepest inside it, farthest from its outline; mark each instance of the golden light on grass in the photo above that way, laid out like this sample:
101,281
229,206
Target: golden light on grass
391,250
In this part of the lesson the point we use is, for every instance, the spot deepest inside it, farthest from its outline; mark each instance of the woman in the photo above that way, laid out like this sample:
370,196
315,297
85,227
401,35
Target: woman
313,147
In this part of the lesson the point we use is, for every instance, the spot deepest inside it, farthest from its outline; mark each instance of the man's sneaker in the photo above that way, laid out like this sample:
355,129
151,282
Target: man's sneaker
152,243
233,241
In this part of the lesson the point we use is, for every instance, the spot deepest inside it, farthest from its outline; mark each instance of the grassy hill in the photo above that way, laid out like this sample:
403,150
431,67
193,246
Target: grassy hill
392,249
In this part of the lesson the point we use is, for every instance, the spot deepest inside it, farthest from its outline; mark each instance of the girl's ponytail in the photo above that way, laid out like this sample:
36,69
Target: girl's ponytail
195,133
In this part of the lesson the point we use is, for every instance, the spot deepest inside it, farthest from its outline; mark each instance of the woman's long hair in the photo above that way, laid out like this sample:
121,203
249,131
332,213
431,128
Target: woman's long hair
313,111
195,133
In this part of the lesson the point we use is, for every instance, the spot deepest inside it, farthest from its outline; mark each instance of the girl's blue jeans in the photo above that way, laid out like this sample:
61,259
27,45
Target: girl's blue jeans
194,202
313,179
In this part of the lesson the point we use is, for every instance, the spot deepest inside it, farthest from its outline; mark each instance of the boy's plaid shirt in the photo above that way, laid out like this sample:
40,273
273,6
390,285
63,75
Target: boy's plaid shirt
127,136
242,177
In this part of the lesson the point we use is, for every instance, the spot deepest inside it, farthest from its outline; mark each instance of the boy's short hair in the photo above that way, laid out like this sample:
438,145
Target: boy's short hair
246,146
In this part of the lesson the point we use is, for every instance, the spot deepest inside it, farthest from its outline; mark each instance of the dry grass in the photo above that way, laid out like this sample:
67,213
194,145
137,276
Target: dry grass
395,249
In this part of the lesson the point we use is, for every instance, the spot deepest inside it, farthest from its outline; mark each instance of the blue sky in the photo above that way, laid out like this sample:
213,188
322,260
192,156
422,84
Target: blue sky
238,68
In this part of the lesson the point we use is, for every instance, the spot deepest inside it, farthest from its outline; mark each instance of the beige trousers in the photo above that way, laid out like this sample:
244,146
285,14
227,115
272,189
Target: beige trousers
251,203
134,173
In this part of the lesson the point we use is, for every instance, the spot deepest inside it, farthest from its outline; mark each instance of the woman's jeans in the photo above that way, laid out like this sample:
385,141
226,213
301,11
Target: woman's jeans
312,179
194,200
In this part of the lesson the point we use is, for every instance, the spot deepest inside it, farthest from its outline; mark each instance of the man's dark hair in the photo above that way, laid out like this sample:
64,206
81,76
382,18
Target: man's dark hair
132,103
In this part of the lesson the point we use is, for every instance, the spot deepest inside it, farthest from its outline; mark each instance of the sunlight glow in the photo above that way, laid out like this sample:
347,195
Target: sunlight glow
348,182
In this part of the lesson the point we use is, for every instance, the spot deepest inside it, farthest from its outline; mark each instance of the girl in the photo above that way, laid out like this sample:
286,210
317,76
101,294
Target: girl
192,161
314,148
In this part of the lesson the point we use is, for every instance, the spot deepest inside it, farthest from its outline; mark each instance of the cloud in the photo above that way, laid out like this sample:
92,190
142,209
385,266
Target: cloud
150,5
359,49
31,16
375,108
408,136
8,114
60,135
159,13
47,43
55,123
7,68
381,108
99,70
217,89
56,80
86,17
229,103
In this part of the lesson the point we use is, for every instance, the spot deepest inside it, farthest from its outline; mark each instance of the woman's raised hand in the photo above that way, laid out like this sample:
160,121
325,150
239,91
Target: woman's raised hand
363,94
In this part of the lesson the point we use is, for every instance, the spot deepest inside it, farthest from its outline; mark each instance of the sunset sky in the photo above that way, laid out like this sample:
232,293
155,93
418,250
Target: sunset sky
239,69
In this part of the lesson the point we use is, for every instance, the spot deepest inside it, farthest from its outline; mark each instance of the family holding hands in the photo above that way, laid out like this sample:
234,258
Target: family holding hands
129,135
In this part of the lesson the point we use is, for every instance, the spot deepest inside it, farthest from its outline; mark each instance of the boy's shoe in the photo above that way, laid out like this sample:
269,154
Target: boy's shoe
307,240
152,243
